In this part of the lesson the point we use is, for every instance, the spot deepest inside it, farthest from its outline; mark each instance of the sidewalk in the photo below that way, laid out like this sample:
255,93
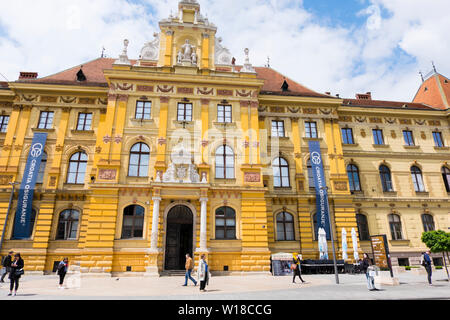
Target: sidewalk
257,287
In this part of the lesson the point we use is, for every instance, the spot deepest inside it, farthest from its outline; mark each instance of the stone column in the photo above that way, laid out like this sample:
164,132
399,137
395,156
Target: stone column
203,222
155,225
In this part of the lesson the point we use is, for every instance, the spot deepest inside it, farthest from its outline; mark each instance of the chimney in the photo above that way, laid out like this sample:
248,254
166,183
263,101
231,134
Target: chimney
28,75
362,96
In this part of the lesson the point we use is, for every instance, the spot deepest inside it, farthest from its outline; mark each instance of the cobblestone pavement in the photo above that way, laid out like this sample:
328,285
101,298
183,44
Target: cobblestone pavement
255,287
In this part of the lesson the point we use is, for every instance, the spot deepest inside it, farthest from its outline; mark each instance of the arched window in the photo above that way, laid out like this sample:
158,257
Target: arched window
139,160
446,177
386,179
224,163
281,173
285,227
133,222
363,227
310,175
353,177
417,178
68,225
32,223
396,227
225,223
77,168
428,222
40,177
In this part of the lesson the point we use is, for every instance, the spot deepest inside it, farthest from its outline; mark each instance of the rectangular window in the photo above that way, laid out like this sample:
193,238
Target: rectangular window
224,114
46,120
143,110
408,136
184,112
311,130
278,129
347,136
4,120
378,136
438,141
84,121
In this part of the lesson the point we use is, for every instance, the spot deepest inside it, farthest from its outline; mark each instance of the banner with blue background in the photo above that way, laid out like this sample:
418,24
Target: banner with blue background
323,216
25,201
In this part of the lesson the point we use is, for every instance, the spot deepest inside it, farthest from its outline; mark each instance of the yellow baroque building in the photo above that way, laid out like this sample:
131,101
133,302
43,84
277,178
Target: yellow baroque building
183,151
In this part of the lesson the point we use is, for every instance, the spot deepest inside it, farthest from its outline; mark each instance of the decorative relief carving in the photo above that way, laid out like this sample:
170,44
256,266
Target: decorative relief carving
263,109
98,149
224,92
125,86
5,179
363,133
420,122
405,121
107,174
205,143
252,177
244,93
375,120
390,120
340,185
162,141
309,111
29,98
86,101
423,135
205,91
107,139
145,88
49,99
59,148
185,90
434,123
345,119
165,88
326,111
68,99
52,182
361,119
293,110
118,139
277,109
393,134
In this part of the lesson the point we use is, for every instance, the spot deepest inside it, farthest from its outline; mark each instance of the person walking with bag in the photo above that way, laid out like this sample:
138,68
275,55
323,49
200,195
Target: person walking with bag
15,274
426,262
297,269
203,273
6,265
189,268
367,269
63,267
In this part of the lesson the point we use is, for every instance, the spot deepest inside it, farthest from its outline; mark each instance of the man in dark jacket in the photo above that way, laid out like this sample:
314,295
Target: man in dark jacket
7,265
427,264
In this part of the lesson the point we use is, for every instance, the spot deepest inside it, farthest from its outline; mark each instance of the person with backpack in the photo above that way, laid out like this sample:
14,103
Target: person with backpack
426,262
189,268
16,272
6,265
63,267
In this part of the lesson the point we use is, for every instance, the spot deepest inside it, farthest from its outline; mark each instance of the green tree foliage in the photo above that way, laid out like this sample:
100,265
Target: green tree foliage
438,242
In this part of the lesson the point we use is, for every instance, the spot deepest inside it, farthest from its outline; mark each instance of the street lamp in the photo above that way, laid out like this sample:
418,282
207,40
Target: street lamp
336,273
13,184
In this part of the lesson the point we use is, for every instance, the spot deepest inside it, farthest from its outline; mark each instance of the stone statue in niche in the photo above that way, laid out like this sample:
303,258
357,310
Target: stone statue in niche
194,58
179,57
187,54
187,49
194,176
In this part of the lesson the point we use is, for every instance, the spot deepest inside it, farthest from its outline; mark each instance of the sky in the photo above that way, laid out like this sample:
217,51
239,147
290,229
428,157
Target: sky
339,46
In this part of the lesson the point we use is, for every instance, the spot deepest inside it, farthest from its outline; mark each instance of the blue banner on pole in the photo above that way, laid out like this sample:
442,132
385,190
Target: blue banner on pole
323,216
25,201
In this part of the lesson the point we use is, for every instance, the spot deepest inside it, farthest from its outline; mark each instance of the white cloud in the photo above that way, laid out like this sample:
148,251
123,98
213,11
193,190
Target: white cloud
48,36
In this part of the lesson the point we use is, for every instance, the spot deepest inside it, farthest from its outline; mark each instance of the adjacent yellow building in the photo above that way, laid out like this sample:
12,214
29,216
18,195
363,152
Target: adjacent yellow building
183,151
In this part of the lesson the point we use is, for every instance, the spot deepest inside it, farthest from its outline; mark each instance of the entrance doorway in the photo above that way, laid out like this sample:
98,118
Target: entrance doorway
179,237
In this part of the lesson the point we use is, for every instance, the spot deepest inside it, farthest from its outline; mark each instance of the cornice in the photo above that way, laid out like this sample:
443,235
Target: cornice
18,87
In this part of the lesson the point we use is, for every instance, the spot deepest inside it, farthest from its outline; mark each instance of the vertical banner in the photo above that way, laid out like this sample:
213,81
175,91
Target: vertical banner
323,216
25,201
380,250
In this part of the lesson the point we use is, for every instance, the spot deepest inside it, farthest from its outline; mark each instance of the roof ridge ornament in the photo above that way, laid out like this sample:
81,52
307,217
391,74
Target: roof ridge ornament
123,58
248,67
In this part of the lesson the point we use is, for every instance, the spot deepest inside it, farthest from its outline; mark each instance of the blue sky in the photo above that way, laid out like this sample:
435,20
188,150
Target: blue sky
341,46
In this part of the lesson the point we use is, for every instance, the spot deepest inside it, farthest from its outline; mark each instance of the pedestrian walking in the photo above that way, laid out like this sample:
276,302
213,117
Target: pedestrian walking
63,267
367,268
189,268
15,274
203,273
6,265
426,262
297,269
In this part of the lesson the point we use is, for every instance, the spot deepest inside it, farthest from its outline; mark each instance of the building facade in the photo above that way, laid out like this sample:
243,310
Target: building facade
183,151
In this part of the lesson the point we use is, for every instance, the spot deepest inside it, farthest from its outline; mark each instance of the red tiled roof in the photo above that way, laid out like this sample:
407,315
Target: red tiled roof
93,70
386,104
434,92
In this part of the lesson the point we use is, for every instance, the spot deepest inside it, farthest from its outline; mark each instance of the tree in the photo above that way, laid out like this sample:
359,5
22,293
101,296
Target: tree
438,241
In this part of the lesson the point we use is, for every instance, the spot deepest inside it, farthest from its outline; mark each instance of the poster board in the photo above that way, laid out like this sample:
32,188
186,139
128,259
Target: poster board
380,250
281,264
